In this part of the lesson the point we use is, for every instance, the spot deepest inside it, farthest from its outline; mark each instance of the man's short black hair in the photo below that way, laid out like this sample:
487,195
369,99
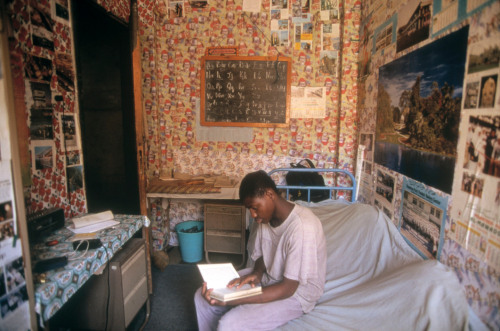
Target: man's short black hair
255,184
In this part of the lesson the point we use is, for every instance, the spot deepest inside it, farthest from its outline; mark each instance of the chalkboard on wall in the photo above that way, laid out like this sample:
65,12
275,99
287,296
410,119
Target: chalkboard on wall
245,91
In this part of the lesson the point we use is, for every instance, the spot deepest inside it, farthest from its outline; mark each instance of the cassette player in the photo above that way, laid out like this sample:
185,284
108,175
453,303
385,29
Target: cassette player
43,223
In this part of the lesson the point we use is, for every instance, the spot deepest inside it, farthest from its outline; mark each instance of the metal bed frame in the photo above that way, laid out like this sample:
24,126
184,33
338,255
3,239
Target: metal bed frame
351,188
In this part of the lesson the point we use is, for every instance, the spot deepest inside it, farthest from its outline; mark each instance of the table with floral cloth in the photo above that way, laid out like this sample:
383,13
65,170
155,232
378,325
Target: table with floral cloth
53,288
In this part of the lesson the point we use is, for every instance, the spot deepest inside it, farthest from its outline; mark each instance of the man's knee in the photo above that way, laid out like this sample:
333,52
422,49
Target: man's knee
231,322
198,298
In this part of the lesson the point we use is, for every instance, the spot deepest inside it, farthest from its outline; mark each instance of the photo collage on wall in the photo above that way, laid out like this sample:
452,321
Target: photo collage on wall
52,121
14,303
436,131
476,191
404,135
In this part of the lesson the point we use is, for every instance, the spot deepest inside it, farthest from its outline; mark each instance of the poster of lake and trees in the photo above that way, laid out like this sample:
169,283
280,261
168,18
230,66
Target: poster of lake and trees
418,111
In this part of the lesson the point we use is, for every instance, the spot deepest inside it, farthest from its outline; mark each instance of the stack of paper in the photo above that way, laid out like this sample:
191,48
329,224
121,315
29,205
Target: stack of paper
93,222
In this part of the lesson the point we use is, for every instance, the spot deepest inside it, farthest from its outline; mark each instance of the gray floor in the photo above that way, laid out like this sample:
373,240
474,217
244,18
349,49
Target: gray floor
174,256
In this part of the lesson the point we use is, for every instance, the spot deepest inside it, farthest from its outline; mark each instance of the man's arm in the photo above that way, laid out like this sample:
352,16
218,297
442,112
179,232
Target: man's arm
282,290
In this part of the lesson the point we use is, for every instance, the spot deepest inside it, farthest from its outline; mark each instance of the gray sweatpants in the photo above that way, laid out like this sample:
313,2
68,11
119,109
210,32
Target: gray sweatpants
265,316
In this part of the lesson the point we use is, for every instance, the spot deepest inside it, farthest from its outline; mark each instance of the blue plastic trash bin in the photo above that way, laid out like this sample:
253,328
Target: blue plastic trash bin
191,243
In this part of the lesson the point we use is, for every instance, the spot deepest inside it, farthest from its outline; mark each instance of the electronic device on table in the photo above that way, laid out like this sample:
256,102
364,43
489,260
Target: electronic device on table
43,223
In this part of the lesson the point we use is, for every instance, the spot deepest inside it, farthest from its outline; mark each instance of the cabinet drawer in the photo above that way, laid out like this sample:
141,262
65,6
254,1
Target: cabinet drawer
224,209
224,217
223,244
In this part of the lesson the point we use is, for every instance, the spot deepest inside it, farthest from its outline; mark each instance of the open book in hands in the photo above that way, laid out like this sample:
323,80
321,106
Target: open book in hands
218,275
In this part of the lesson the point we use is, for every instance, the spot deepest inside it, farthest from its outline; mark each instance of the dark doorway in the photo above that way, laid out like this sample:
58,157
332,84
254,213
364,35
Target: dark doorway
106,101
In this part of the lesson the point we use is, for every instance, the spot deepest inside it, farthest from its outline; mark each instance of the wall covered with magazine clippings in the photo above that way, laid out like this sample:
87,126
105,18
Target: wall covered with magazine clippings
41,54
40,43
172,45
425,69
374,41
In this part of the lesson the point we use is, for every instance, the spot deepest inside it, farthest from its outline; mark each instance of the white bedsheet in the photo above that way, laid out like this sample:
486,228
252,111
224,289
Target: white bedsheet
375,281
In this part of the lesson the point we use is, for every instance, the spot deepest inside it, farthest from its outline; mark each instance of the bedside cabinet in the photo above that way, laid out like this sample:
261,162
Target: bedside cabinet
225,225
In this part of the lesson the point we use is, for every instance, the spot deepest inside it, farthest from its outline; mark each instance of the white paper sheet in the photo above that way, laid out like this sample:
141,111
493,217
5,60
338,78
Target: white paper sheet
94,227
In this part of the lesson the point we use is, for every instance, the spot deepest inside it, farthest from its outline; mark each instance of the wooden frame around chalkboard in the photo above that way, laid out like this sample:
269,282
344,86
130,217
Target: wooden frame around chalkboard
269,90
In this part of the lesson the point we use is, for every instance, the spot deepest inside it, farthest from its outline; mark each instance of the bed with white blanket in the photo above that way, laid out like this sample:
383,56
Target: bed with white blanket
375,280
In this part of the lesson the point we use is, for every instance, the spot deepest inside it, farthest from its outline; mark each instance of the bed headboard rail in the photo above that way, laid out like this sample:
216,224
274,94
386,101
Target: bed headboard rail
351,188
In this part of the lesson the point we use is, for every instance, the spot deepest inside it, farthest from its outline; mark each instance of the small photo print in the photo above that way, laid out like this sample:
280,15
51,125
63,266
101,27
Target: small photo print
6,212
69,131
483,56
41,112
367,167
64,71
471,95
44,157
328,62
72,158
14,300
14,274
75,178
38,68
6,230
472,185
41,26
385,186
175,9
41,125
488,91
366,140
60,10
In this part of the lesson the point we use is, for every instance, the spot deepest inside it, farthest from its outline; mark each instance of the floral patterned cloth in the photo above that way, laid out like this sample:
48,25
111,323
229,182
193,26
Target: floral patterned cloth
53,288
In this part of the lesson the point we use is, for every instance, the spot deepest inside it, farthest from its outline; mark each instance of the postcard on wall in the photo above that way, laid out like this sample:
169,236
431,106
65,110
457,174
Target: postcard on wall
422,219
303,36
366,140
328,63
252,6
37,68
41,114
409,32
43,154
64,71
175,9
385,34
365,190
74,178
481,56
330,37
445,14
41,26
72,158
387,210
308,102
329,10
384,192
69,127
60,11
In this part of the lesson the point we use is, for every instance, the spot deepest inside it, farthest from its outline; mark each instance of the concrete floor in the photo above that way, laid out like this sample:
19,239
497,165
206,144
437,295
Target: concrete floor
175,257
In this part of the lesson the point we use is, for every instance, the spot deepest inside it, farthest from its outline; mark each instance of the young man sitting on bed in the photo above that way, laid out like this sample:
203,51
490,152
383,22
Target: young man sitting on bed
290,263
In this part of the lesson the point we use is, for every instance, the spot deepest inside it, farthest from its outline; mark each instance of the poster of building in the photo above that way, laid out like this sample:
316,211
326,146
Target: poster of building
414,22
384,192
422,219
